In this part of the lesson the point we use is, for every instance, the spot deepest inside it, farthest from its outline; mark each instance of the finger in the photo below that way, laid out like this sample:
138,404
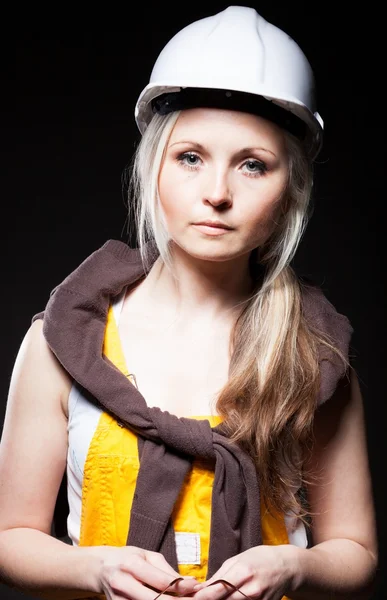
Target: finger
227,583
155,577
253,590
169,589
185,585
249,590
220,574
158,560
172,589
235,592
217,590
125,585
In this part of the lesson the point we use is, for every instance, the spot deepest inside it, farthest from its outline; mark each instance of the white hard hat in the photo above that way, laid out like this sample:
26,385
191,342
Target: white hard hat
236,50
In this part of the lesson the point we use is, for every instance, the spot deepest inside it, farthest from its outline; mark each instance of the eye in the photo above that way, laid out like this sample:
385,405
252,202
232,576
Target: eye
189,159
254,167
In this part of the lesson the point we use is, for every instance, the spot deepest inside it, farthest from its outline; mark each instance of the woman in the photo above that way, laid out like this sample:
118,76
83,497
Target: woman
198,393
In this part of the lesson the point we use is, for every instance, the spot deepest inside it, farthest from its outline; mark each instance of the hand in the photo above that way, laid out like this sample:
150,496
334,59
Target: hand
130,572
262,573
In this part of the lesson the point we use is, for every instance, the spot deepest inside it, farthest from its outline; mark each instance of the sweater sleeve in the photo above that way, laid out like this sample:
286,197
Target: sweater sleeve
107,270
323,318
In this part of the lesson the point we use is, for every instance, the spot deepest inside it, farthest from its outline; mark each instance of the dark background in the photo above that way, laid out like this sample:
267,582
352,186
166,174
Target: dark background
71,78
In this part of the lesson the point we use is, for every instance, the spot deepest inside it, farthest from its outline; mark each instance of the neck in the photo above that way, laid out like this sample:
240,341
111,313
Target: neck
200,289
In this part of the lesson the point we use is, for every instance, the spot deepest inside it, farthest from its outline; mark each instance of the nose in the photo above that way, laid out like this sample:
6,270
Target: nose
217,190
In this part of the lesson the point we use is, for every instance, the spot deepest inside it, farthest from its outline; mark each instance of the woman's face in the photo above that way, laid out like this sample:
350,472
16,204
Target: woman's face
226,166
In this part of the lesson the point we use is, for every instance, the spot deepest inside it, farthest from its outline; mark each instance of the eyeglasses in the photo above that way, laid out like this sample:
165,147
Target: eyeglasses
227,583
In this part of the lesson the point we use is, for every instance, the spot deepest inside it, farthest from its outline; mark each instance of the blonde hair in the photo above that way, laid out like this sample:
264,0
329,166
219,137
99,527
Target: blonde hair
269,400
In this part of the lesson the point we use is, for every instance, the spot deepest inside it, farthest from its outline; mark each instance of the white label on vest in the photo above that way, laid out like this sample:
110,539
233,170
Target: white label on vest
187,548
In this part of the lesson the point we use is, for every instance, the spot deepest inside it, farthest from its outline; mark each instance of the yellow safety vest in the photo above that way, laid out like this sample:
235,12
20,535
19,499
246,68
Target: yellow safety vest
109,482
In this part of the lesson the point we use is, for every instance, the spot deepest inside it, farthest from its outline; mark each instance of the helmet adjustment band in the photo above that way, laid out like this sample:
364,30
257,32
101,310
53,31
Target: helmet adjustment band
231,100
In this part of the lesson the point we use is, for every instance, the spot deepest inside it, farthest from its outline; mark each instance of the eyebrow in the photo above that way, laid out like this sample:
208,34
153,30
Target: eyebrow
246,150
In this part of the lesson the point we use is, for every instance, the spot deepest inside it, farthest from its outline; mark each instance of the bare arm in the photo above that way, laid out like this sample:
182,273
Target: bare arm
343,560
33,453
32,461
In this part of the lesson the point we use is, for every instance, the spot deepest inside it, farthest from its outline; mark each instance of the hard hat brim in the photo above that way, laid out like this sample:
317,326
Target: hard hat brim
313,121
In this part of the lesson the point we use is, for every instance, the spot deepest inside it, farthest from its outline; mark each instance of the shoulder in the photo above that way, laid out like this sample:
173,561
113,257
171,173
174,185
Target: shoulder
334,329
104,272
91,267
36,367
320,312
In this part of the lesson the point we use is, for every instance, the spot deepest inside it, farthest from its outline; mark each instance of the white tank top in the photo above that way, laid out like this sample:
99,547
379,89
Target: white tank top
82,423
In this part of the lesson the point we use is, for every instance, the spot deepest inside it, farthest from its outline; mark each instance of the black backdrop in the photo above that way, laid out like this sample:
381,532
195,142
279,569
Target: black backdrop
70,82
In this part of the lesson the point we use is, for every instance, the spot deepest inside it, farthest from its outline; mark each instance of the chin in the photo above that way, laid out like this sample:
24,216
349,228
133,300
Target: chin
215,252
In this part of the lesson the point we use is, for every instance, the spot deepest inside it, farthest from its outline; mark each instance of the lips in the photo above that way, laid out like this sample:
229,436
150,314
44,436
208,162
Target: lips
216,224
212,230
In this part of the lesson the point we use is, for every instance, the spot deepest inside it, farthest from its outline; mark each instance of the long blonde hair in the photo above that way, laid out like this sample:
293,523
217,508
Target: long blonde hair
269,400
